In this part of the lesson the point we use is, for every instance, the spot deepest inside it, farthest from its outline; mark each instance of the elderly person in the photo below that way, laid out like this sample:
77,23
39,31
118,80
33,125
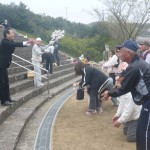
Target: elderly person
128,112
137,81
36,60
145,51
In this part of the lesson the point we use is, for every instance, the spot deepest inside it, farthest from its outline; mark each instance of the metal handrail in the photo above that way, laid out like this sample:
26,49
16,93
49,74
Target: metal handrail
32,70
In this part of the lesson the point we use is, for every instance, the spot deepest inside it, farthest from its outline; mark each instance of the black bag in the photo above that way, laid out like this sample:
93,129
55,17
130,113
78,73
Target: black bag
80,93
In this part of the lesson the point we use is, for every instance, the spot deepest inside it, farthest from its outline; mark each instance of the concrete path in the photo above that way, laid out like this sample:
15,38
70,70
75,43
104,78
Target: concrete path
38,131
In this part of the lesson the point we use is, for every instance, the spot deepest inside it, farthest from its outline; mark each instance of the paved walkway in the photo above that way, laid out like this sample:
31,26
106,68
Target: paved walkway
45,131
38,132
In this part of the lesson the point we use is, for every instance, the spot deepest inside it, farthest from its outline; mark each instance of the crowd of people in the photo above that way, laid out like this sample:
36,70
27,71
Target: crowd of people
124,78
129,70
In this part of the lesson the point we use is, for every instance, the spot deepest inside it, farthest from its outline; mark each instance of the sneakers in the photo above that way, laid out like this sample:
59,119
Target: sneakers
54,64
6,103
10,100
100,110
97,111
40,85
89,113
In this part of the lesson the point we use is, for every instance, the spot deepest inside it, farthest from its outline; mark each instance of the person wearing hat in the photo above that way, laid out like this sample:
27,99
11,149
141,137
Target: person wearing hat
128,112
145,51
137,81
37,59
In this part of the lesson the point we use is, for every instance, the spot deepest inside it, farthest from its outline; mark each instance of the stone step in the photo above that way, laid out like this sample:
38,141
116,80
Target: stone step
26,57
23,63
23,75
12,128
25,95
26,53
18,69
18,86
17,77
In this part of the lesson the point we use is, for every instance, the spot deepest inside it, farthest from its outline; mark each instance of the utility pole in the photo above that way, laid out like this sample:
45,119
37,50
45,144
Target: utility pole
66,13
103,15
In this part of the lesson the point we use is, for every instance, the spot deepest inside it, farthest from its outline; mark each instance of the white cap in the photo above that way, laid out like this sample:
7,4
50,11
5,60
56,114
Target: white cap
38,39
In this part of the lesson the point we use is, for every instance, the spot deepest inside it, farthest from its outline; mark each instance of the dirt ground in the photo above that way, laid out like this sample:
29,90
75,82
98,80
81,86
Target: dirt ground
73,130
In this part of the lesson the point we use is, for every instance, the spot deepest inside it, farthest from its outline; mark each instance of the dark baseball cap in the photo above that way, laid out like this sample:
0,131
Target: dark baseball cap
118,47
130,44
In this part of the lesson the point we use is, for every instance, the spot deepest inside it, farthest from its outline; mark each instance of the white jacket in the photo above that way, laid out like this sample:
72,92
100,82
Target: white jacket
110,64
127,109
36,53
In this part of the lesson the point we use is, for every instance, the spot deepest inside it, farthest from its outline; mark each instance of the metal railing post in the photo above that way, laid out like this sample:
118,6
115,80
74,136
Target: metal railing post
47,78
48,82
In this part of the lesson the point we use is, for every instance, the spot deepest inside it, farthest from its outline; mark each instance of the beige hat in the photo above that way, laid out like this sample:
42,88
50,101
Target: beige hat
38,39
147,43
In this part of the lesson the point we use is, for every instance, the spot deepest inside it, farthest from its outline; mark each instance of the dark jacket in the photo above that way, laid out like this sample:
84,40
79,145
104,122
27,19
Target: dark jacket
92,77
136,80
56,48
6,26
7,47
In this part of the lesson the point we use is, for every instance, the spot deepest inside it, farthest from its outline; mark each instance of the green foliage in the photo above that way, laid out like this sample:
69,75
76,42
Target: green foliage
92,47
79,38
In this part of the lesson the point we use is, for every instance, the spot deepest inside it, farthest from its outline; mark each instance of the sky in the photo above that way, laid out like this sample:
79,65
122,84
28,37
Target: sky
72,10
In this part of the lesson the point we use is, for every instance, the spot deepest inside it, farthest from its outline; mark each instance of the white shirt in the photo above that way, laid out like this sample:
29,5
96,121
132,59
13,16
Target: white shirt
110,63
127,109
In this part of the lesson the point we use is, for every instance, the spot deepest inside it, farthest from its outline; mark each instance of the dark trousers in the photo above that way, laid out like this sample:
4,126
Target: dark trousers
4,85
49,65
143,128
129,130
57,59
49,61
94,103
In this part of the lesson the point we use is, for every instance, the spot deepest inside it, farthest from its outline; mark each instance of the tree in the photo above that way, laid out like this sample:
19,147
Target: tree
125,19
